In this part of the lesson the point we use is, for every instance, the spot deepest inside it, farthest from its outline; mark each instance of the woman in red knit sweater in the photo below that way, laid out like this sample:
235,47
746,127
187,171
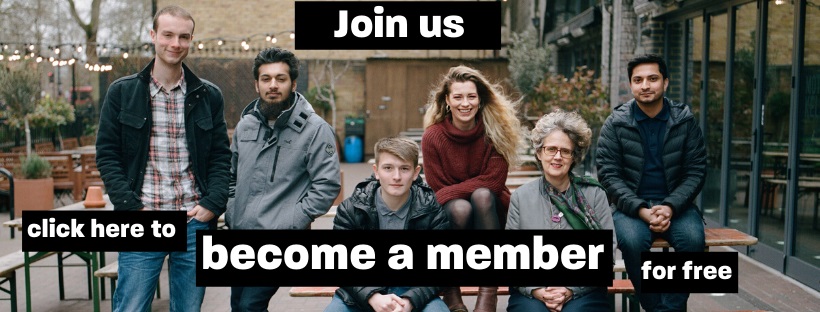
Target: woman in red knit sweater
470,142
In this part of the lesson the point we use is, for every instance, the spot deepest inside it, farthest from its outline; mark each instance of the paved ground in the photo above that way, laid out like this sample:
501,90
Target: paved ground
760,288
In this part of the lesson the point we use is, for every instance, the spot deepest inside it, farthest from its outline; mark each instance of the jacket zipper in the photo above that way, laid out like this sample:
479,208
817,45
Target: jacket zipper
275,160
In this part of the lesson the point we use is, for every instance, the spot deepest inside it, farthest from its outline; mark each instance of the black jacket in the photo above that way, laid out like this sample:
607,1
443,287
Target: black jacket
125,129
620,158
358,212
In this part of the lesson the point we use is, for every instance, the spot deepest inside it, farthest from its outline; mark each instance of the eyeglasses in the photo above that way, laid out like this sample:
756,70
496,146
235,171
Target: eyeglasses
552,150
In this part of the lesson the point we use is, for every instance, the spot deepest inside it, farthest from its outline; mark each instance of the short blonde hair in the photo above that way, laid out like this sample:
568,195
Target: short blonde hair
403,148
571,124
176,11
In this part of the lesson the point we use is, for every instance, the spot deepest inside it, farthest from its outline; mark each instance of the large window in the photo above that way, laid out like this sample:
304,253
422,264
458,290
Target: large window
713,98
807,246
742,101
776,106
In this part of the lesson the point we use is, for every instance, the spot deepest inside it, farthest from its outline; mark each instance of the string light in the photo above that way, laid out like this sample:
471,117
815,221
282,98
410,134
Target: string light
31,51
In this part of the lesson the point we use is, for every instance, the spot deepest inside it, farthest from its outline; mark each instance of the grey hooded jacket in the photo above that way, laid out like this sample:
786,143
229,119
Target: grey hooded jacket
282,177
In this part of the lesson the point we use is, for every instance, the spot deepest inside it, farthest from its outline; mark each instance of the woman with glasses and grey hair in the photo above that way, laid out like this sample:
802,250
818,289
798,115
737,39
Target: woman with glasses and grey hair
560,200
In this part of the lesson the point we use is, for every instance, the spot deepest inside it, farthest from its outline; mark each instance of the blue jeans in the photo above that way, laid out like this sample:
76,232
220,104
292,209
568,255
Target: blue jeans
251,299
594,301
685,234
435,305
139,271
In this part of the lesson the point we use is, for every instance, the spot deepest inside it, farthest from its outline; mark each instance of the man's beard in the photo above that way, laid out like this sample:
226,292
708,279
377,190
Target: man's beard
271,110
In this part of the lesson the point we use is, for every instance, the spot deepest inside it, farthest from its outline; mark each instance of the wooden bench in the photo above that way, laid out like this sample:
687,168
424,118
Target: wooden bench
8,267
619,286
717,237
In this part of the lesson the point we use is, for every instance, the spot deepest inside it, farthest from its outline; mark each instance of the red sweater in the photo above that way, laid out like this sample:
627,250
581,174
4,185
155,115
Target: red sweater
457,162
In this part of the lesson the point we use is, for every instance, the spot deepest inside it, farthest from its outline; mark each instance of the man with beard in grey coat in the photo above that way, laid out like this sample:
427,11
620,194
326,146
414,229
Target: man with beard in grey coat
284,167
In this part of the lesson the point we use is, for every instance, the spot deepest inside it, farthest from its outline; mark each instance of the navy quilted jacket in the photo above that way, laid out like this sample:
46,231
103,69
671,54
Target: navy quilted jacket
620,158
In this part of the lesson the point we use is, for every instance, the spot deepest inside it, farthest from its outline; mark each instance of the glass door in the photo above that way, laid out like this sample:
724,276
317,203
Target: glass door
776,104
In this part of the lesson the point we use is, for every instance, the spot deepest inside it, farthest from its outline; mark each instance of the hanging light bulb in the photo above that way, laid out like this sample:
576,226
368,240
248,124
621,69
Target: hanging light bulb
273,40
31,47
79,49
201,46
51,59
292,35
1,57
56,50
219,42
268,38
71,61
125,55
55,63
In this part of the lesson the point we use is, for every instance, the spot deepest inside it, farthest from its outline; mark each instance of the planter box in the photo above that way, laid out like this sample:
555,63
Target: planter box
37,194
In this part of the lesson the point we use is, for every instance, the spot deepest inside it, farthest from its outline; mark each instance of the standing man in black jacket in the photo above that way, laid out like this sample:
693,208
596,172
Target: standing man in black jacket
163,145
652,161
394,198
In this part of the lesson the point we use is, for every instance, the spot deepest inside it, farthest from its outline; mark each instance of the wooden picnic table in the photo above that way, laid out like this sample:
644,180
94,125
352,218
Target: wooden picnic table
91,256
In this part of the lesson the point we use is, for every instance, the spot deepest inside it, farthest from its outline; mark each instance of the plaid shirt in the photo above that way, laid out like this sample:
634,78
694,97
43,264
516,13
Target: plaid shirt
169,182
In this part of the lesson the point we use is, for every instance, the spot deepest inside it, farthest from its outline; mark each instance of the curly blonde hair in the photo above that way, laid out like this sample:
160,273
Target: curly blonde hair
571,124
496,110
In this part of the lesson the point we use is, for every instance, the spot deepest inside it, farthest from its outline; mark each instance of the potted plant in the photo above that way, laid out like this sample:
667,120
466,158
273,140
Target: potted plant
33,182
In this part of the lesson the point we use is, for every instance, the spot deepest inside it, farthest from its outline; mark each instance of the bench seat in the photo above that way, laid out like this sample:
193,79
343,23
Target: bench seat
8,265
619,286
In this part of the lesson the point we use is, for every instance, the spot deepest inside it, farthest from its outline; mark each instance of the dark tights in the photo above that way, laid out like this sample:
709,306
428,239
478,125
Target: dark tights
478,213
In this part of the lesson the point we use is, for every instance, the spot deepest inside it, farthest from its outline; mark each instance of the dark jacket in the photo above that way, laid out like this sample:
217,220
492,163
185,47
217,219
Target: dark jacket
358,212
125,129
620,158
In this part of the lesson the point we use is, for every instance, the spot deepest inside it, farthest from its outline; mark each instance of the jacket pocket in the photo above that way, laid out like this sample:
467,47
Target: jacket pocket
205,124
132,132
248,134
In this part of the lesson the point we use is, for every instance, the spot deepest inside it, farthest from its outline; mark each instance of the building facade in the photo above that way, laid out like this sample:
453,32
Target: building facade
750,70
238,30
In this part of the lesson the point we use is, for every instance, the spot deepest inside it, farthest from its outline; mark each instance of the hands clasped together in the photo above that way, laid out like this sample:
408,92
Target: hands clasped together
659,217
389,303
553,297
